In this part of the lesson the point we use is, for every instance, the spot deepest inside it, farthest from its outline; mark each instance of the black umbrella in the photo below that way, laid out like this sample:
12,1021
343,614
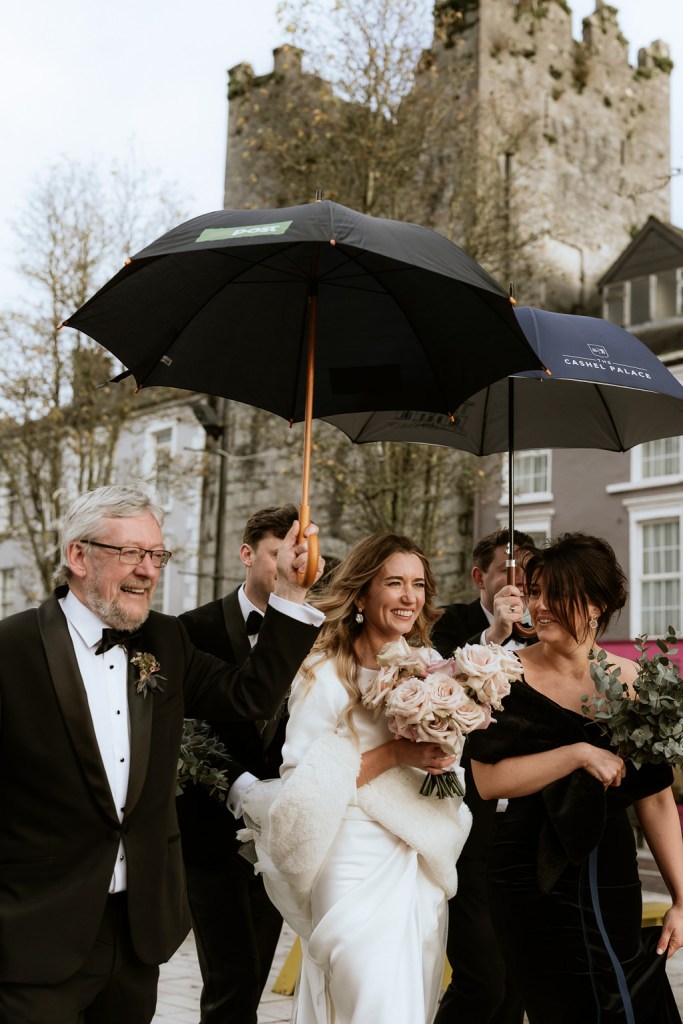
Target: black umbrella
261,305
603,388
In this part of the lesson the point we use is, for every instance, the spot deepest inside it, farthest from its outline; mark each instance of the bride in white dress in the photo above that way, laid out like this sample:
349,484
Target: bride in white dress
360,864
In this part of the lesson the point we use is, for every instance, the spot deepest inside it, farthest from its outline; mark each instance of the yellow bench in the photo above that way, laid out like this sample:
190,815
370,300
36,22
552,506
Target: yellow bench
653,914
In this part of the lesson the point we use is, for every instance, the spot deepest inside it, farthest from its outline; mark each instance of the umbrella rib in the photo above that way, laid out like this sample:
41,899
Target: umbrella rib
611,419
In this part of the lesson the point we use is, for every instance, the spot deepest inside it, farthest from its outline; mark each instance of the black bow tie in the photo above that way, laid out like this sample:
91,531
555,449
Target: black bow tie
114,637
253,623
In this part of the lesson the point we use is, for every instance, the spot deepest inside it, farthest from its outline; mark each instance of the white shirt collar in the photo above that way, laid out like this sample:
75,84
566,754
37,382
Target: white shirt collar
87,624
487,613
246,605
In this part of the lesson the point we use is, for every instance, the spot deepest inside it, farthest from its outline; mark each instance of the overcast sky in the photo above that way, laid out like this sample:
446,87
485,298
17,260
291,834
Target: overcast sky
94,79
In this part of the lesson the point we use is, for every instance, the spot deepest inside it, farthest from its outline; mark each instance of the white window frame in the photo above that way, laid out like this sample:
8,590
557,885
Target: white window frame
652,293
531,522
646,510
151,451
8,583
637,475
528,497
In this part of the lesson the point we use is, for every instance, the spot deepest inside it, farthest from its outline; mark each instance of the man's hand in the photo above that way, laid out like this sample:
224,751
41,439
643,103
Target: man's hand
508,608
291,559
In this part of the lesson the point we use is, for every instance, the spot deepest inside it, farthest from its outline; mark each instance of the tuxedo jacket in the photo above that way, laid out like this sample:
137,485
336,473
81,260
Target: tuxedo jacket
59,828
459,624
207,828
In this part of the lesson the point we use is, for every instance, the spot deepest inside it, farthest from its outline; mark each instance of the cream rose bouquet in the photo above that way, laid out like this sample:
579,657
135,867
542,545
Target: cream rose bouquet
430,699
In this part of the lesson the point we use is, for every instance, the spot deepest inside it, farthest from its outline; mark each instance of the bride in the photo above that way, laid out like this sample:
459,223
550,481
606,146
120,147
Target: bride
360,864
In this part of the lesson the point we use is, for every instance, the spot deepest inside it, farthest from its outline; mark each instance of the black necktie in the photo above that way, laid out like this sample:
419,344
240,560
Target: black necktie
113,637
254,620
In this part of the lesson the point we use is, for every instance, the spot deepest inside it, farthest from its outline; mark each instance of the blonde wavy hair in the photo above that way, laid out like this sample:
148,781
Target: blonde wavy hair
347,585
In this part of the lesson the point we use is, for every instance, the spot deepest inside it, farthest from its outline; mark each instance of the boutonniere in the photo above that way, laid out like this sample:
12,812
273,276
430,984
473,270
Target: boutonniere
149,680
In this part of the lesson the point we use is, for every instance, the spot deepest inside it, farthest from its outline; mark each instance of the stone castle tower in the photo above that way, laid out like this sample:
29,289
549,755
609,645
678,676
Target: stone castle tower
540,154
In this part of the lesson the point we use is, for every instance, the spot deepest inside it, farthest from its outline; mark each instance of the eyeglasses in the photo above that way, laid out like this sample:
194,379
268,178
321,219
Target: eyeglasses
133,556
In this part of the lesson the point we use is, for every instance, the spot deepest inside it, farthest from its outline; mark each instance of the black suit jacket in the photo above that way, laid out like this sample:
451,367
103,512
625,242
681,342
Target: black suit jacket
59,830
459,624
207,827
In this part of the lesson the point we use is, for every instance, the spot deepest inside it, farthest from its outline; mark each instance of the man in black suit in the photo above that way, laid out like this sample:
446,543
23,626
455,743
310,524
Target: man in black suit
93,691
481,991
236,927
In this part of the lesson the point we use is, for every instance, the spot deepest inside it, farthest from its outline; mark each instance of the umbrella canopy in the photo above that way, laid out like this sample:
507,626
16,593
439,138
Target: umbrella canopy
221,305
308,311
604,389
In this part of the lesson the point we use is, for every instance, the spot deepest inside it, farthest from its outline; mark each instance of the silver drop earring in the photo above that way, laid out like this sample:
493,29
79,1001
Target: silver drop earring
593,624
359,617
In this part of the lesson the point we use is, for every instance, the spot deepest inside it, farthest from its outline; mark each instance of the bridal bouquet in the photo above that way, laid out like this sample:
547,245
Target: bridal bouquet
429,699
649,728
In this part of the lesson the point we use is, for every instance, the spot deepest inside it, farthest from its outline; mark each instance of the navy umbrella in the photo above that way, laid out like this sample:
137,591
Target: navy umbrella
308,311
602,388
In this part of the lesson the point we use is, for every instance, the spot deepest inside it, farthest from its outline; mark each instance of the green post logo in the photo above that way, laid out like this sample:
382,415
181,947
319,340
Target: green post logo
248,231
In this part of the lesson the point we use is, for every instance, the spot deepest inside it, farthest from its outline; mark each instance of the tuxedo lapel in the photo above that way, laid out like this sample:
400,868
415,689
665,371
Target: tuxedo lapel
235,628
68,685
140,710
476,617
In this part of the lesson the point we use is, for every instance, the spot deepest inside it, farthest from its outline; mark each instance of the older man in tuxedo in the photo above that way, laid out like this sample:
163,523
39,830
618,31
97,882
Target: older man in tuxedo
481,989
93,690
236,927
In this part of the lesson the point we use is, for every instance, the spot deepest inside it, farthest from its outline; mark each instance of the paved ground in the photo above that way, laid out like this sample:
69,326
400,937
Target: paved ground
180,982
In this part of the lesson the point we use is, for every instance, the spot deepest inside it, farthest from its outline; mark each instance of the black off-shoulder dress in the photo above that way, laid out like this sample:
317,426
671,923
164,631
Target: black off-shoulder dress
563,878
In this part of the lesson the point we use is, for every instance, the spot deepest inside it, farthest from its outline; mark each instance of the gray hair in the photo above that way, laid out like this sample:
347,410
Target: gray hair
85,516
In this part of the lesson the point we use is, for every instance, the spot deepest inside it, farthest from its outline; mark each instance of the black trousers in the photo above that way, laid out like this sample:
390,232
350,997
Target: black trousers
236,929
481,989
112,986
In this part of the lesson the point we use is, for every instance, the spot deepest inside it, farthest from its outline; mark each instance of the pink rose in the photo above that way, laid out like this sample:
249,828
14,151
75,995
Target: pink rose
477,661
470,716
442,731
494,689
509,662
409,701
405,659
447,693
380,687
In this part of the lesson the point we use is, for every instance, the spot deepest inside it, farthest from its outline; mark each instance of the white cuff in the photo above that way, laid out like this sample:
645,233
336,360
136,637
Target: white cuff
239,786
305,613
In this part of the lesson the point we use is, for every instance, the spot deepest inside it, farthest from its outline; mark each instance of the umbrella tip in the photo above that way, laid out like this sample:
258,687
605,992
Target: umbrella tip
513,300
127,261
318,195
59,326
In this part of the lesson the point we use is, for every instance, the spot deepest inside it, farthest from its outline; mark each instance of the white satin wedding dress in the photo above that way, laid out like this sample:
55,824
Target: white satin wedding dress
373,917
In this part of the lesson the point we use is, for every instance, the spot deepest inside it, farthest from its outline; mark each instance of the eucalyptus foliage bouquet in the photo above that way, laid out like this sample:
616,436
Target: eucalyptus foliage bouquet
430,699
203,760
649,728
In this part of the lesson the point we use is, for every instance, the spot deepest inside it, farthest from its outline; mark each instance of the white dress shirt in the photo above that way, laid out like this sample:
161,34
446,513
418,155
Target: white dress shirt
105,679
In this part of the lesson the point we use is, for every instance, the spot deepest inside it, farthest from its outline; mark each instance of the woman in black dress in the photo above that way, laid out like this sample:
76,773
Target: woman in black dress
563,874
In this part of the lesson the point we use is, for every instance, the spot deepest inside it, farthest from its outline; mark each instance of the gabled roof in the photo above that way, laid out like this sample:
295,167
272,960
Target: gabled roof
657,246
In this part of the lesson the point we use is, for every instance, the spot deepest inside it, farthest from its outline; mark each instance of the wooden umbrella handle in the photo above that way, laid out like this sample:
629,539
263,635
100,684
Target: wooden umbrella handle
307,577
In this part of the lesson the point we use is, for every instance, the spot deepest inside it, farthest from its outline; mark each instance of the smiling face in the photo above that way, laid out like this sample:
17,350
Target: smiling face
544,616
394,598
120,594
